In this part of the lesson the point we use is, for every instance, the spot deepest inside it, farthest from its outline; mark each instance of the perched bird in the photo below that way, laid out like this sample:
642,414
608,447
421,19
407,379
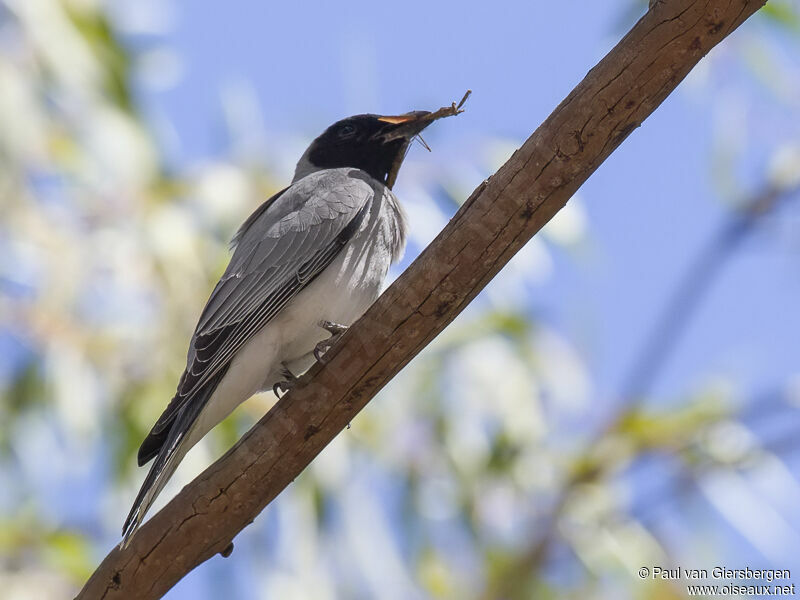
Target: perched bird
307,263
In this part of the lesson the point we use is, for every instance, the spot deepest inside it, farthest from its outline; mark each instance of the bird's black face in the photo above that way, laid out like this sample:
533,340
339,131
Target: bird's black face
373,143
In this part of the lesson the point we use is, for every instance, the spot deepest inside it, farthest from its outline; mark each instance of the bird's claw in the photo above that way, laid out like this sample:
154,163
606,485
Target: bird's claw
321,348
336,330
278,388
333,328
289,381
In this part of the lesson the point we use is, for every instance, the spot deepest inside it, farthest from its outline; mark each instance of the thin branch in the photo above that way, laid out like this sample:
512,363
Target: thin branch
500,216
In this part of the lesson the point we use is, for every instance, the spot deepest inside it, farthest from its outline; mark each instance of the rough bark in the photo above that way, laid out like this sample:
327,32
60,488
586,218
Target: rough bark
500,216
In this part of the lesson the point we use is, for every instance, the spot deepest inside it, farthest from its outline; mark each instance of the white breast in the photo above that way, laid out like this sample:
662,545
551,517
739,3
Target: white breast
347,287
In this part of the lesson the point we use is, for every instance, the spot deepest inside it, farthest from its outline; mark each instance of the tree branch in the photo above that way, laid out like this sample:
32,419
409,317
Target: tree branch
500,216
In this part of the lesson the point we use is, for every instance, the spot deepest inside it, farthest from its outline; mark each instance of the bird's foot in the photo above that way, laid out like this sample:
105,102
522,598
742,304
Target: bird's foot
336,330
290,380
333,328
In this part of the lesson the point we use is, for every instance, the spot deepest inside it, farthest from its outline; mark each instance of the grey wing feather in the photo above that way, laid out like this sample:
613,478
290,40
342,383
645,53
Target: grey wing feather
276,255
272,250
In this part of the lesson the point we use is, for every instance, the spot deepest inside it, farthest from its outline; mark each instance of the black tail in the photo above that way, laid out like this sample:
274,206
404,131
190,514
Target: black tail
169,449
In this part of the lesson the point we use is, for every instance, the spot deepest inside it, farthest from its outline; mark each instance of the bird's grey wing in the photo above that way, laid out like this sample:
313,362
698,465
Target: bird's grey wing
278,253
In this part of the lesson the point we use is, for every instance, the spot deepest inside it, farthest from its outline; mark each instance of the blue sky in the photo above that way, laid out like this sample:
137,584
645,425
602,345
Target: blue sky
313,63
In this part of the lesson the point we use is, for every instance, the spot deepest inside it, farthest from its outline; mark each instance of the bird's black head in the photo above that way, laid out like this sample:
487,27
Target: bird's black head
373,143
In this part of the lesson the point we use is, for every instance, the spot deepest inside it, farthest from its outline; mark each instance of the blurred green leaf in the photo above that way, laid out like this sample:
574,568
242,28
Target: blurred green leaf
782,12
27,390
70,553
669,429
97,31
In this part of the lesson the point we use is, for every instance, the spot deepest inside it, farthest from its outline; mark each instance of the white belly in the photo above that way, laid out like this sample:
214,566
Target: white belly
341,294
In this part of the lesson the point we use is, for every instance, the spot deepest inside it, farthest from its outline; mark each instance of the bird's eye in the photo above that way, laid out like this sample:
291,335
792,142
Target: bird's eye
346,131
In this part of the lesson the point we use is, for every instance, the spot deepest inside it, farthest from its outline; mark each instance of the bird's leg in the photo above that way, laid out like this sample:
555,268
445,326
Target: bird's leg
289,381
336,330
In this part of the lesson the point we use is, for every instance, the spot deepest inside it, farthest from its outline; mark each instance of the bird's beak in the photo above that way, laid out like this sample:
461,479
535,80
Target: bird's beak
407,125
404,126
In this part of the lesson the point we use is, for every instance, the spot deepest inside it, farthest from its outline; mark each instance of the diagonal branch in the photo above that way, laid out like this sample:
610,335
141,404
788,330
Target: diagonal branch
500,216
